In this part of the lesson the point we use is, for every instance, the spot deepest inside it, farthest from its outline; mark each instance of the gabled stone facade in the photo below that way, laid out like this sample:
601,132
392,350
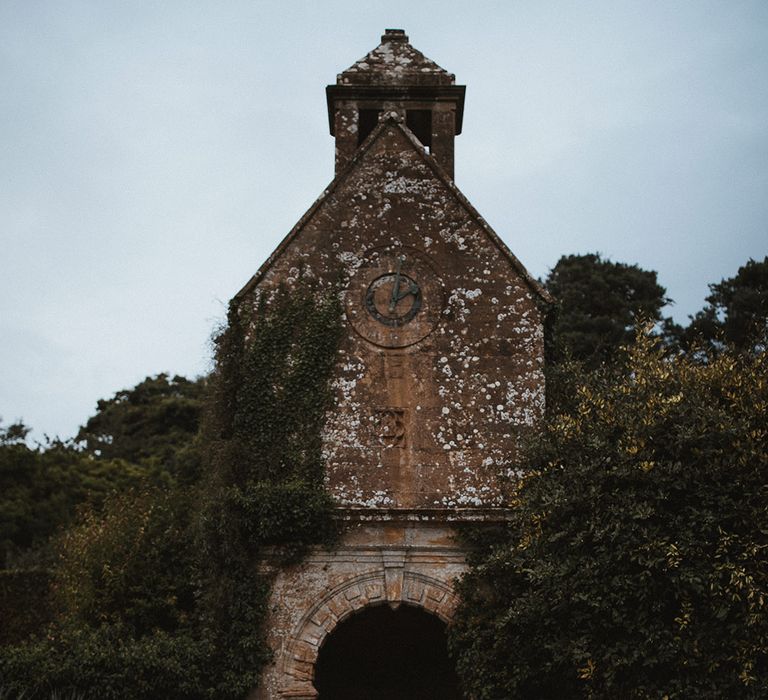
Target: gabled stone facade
440,367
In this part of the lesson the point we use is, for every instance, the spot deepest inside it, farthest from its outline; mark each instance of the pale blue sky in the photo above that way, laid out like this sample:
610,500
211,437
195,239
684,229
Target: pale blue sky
152,154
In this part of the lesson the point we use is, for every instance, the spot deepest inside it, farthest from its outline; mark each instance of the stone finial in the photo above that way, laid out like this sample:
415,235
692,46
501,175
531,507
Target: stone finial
394,35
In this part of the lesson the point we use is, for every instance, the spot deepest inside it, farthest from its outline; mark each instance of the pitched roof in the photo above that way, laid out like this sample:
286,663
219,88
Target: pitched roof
393,120
395,62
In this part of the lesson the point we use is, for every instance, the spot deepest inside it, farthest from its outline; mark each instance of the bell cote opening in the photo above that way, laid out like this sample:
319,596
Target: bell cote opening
419,121
395,77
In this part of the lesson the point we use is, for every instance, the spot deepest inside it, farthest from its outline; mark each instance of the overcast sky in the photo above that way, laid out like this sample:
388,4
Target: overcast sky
152,154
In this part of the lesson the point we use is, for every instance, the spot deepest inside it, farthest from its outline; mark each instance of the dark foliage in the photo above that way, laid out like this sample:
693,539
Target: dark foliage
636,563
161,593
598,304
736,314
264,495
25,606
157,421
41,488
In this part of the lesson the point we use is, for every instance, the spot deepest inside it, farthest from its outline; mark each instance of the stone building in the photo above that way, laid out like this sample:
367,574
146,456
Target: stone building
440,367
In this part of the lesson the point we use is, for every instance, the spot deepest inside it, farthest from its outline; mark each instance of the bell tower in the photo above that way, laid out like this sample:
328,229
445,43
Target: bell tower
395,77
439,371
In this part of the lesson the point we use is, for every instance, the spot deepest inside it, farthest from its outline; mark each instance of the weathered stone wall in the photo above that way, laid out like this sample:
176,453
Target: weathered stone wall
428,413
390,563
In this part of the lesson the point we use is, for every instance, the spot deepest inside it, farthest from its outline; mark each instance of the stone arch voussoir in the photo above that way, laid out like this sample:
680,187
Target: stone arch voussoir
353,595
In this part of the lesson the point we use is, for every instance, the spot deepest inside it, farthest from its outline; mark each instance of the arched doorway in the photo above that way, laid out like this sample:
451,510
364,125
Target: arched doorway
384,654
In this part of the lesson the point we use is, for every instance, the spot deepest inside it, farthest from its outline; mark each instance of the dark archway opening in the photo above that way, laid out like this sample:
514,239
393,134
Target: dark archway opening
385,654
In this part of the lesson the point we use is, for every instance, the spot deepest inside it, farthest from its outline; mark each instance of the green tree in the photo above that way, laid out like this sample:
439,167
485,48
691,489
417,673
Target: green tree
598,303
636,561
145,434
41,488
161,593
736,313
130,564
157,420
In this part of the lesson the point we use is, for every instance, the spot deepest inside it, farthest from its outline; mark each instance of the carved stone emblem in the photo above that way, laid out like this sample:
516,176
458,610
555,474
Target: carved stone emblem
389,426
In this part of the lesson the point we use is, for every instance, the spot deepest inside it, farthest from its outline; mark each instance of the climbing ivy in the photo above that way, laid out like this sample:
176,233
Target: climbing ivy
271,391
164,593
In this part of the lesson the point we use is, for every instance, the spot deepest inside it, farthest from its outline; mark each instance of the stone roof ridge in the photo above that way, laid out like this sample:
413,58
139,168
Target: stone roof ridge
395,62
387,120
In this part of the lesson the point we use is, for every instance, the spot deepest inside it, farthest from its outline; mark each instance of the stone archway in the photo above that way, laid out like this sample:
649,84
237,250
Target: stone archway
394,586
383,654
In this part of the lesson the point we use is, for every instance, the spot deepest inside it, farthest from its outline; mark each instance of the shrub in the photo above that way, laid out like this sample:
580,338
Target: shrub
636,561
